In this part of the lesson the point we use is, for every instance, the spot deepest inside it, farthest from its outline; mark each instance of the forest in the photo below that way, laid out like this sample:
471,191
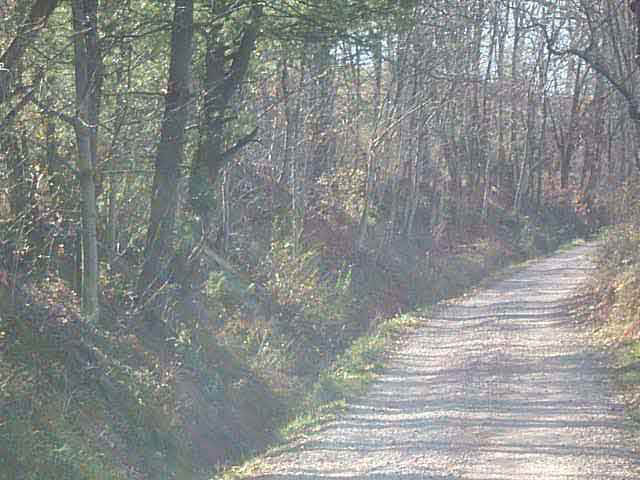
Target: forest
214,214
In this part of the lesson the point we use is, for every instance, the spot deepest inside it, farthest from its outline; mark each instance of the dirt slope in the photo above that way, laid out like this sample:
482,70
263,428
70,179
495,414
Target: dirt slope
500,385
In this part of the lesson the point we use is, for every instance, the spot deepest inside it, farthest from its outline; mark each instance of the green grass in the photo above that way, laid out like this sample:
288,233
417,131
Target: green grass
350,376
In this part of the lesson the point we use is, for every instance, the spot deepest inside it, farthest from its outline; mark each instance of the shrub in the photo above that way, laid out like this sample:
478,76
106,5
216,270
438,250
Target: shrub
312,304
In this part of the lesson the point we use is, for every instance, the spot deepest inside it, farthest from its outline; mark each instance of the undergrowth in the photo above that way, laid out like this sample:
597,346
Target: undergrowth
257,358
613,306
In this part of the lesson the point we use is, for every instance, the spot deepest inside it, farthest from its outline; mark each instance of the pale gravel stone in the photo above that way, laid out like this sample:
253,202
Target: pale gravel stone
500,385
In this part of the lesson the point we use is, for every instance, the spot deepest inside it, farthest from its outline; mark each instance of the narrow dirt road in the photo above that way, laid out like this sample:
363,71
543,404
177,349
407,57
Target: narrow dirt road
500,385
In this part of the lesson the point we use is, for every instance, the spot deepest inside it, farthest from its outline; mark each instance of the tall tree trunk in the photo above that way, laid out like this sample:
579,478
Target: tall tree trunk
220,85
567,147
164,199
85,126
486,116
15,162
323,142
501,155
515,99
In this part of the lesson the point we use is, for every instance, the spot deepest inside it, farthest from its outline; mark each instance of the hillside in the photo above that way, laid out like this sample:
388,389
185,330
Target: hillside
116,401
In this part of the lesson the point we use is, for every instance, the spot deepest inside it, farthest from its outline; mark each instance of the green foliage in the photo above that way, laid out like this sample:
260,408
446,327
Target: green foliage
533,239
49,451
331,21
46,417
78,402
312,305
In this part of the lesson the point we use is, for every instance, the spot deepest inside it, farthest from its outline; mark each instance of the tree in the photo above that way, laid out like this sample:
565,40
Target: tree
36,20
225,70
603,39
87,80
160,237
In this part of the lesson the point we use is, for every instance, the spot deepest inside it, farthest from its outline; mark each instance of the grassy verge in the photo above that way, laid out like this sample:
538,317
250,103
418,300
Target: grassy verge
612,309
350,376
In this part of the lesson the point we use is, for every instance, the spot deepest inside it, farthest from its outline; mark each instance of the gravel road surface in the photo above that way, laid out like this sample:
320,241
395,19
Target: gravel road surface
499,385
